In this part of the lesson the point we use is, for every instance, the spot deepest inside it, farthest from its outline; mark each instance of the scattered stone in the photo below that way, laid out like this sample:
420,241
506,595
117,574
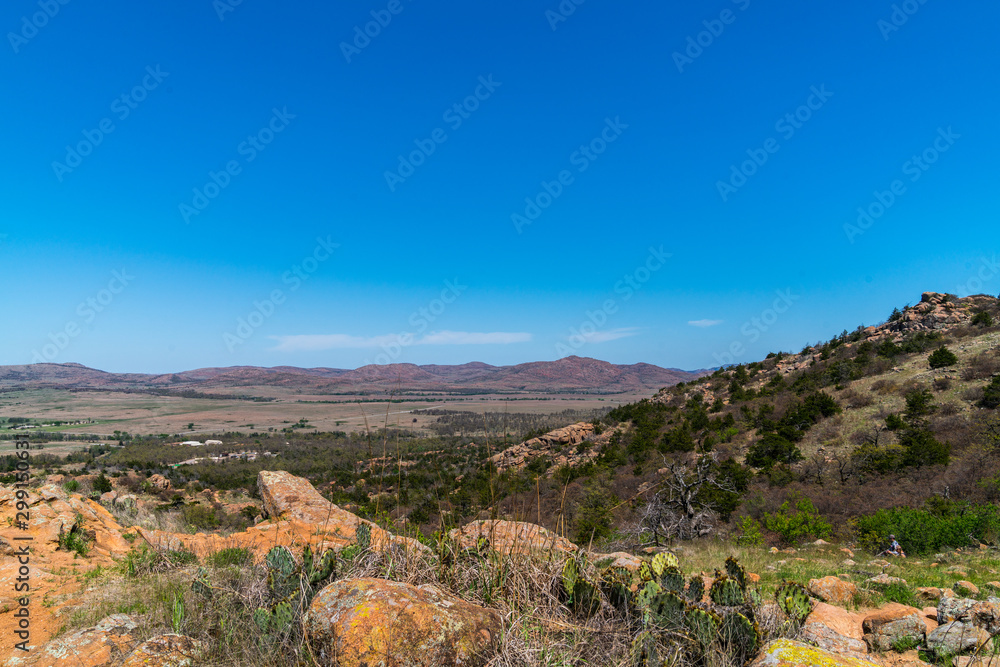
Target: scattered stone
160,482
951,608
833,590
891,624
849,563
966,588
850,554
821,543
956,637
928,593
885,580
165,651
789,653
360,622
835,629
995,585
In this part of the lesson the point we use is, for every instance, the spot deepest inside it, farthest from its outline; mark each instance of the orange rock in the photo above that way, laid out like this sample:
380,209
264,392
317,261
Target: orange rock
101,646
359,622
511,537
835,629
832,589
165,651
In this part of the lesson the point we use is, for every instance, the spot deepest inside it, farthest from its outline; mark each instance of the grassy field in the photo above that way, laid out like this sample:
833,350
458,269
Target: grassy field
143,414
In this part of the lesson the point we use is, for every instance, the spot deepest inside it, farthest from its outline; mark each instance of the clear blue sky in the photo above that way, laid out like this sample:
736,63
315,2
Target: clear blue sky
634,129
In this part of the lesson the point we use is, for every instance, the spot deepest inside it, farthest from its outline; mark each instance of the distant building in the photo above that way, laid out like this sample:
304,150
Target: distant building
213,442
192,443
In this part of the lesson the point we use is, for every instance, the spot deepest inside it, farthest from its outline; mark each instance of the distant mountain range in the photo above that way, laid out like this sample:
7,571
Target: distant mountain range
567,374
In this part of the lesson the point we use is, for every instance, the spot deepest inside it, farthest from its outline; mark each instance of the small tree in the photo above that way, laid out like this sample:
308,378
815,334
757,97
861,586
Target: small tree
102,484
991,394
982,319
942,357
771,449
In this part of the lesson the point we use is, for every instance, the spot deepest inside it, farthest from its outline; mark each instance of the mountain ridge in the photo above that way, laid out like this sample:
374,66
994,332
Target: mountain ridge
566,374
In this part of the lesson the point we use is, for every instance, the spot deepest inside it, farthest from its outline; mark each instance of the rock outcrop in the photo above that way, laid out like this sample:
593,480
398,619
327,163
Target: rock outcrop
788,653
298,514
893,624
511,537
558,445
836,630
360,622
833,590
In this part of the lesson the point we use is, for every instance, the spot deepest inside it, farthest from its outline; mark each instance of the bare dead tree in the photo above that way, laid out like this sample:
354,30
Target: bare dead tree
675,511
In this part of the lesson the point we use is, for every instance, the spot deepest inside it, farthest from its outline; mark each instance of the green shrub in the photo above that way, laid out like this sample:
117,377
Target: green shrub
230,556
102,484
991,394
982,319
594,519
749,534
771,449
71,486
200,516
942,357
795,524
938,525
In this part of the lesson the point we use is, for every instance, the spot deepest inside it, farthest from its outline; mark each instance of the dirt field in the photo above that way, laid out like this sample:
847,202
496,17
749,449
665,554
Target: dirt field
148,414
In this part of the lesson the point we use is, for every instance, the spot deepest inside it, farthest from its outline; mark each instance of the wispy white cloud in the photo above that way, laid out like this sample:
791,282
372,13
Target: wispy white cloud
705,323
473,338
316,342
605,336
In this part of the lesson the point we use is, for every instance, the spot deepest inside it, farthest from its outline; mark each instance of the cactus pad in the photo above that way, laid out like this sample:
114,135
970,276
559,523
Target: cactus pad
363,536
740,637
662,561
672,580
736,572
695,589
644,650
703,625
726,592
793,600
666,610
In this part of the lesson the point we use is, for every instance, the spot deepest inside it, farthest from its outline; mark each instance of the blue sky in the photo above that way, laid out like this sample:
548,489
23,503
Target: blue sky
213,184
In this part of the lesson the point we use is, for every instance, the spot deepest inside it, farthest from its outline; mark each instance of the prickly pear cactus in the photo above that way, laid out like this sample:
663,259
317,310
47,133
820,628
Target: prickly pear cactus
672,580
318,570
726,592
363,536
794,601
570,572
662,561
644,651
739,637
736,572
282,572
276,620
703,625
645,572
644,597
695,589
666,610
616,584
